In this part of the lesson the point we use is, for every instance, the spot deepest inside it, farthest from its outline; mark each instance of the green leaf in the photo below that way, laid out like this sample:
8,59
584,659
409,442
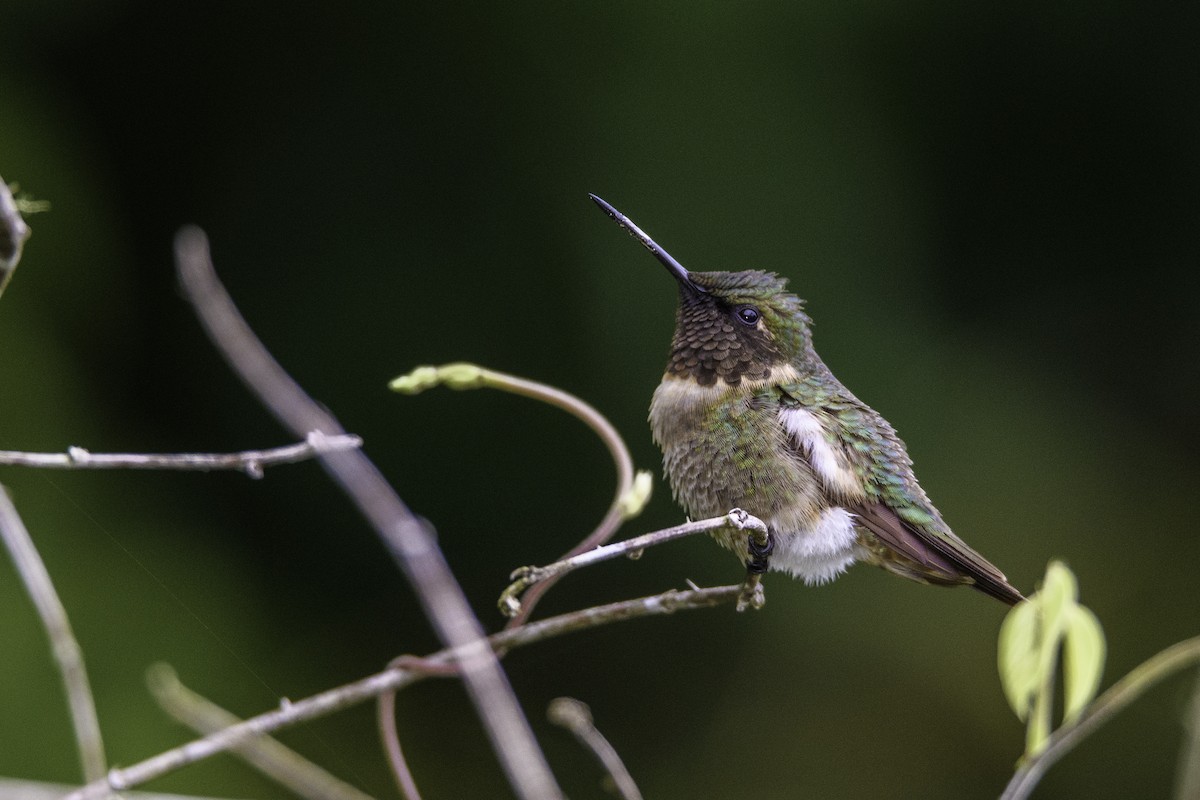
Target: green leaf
1019,657
1083,661
1058,594
1032,636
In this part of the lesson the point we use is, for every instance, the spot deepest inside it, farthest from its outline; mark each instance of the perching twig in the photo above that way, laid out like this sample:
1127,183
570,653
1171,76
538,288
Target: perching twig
576,717
633,491
282,764
406,536
292,713
66,650
251,462
1176,657
525,577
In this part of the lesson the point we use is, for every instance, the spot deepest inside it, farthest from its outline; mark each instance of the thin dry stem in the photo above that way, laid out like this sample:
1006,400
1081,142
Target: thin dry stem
408,538
251,462
12,789
351,694
67,653
282,764
576,717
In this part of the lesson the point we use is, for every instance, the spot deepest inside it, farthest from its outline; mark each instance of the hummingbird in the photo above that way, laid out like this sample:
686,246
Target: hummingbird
748,416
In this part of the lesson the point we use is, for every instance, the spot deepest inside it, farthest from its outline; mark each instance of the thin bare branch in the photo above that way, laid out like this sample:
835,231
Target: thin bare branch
576,717
280,763
525,577
251,462
1167,662
66,650
12,789
292,713
408,538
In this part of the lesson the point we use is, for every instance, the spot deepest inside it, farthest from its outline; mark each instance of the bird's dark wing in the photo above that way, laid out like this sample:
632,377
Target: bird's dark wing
889,501
941,557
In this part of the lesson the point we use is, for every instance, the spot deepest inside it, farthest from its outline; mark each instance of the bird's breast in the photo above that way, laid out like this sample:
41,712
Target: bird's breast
724,447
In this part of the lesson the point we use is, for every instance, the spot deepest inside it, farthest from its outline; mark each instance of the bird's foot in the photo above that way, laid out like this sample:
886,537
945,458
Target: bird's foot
759,547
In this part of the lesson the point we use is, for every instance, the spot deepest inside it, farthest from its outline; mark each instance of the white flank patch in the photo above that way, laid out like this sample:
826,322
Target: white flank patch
829,465
821,552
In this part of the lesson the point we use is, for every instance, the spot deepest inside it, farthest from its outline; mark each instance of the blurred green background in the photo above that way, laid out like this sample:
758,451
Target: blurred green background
991,208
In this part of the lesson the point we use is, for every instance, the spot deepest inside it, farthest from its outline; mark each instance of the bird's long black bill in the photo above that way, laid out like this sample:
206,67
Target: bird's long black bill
673,266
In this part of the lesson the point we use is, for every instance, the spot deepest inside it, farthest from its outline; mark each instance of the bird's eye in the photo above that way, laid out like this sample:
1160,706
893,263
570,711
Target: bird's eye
748,315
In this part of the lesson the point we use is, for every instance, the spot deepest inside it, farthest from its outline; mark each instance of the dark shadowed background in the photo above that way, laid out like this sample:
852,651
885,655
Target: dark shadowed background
991,209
